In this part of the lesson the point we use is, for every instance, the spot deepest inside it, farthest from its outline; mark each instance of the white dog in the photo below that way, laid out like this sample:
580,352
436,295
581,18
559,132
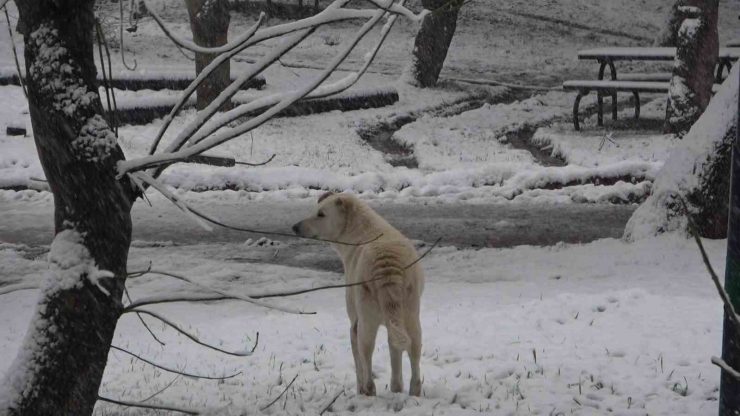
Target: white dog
393,296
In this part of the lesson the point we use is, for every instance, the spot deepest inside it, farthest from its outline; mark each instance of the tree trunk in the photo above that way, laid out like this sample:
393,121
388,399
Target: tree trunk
432,42
697,47
60,365
698,169
209,22
668,35
729,390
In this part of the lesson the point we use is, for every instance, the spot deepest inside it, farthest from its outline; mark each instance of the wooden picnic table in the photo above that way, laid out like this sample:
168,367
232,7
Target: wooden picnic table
606,56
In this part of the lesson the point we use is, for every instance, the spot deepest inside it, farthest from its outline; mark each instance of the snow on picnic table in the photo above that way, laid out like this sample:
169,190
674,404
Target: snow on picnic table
617,329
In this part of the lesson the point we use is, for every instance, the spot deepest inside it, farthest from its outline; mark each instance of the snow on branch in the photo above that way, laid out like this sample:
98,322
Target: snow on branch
725,367
19,286
186,410
170,370
213,108
192,337
199,80
281,102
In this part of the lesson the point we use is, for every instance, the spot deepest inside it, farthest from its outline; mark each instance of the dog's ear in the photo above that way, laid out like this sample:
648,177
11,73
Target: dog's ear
325,195
343,202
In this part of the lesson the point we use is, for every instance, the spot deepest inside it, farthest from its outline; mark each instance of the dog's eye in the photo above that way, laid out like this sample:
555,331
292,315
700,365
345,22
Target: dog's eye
321,214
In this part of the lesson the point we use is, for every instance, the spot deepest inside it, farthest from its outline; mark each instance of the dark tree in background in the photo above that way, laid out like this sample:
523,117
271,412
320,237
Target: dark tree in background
697,49
433,41
209,22
61,362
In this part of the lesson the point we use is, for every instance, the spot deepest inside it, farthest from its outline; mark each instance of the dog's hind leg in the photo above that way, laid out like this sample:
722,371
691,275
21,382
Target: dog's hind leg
396,368
367,330
414,331
356,355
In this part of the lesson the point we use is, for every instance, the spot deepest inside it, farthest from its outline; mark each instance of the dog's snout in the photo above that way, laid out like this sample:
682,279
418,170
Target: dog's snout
297,228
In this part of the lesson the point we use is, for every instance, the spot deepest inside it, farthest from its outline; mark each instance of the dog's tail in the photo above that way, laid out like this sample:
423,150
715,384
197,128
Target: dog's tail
391,298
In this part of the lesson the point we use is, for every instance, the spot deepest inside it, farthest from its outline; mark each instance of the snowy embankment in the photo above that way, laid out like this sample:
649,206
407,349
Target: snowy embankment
462,157
555,330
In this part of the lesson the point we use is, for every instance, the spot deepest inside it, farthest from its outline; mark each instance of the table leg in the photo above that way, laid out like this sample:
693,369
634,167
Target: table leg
575,109
637,104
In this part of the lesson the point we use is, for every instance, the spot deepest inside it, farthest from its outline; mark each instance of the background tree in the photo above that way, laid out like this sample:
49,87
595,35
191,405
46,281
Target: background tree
60,364
209,22
432,42
697,49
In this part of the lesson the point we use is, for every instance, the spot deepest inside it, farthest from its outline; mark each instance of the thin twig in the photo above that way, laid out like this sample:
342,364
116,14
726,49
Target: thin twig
281,395
191,336
235,296
110,77
145,177
170,370
150,406
123,54
331,402
224,296
161,343
161,391
99,35
256,164
15,53
717,284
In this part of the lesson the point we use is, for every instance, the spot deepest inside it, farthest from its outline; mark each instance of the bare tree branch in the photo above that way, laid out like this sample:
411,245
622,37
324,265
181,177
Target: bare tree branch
281,395
123,53
234,296
331,402
15,53
717,284
197,214
162,390
153,300
191,336
3,3
141,319
170,370
185,410
256,164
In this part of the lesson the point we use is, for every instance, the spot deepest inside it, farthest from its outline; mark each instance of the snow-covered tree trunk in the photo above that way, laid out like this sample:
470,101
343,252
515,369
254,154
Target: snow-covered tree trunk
698,168
432,42
58,369
693,69
209,22
669,32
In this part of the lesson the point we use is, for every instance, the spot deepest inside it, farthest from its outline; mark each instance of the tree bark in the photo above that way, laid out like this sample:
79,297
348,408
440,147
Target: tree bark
697,48
669,33
209,22
60,365
697,169
432,42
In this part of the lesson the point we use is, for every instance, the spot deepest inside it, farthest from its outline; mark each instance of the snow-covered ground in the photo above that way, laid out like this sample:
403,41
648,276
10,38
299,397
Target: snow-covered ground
596,329
604,328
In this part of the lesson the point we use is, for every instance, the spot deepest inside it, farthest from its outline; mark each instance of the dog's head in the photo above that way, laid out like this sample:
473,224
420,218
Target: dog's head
329,220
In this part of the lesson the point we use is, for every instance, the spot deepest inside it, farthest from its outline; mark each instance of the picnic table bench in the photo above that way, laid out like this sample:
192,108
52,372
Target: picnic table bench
634,83
584,87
